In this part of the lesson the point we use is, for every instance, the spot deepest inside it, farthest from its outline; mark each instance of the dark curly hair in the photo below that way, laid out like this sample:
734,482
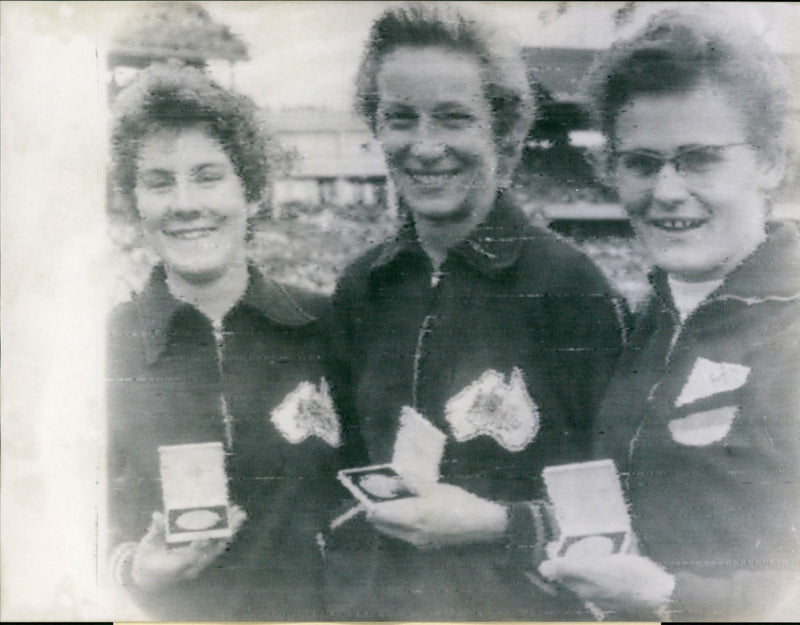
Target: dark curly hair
173,95
678,50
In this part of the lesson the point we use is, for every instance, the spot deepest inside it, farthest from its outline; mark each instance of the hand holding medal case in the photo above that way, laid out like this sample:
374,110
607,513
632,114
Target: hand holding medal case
195,492
418,451
589,504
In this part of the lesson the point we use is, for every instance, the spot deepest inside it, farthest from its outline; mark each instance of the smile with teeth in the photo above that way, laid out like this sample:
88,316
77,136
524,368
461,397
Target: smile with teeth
672,224
431,178
190,233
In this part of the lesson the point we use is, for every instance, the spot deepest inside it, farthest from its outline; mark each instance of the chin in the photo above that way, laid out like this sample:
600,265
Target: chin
440,211
197,273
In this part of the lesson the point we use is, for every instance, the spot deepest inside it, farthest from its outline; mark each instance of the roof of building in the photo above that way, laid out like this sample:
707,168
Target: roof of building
313,119
347,153
181,30
559,71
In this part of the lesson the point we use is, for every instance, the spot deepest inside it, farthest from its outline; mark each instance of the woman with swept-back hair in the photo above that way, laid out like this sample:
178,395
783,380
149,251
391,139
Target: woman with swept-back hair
210,351
703,414
498,334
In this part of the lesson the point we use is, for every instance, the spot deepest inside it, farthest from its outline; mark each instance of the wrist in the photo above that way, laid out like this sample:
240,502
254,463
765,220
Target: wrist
497,519
120,563
529,529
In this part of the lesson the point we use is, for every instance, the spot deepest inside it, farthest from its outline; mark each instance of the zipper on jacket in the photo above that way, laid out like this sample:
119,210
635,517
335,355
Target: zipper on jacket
424,330
679,328
227,418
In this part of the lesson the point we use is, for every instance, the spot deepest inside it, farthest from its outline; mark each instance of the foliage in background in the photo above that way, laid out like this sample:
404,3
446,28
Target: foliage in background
183,26
310,250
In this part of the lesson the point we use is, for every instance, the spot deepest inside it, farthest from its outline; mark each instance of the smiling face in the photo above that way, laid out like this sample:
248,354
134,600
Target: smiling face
697,226
191,203
435,127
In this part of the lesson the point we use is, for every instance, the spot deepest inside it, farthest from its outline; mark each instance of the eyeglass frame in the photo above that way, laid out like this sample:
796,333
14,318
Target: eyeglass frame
673,160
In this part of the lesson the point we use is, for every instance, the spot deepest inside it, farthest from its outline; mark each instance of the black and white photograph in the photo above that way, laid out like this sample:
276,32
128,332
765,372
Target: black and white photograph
400,311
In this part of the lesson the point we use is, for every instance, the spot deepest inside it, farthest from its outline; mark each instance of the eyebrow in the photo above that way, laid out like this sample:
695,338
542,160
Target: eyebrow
453,106
202,166
156,171
171,172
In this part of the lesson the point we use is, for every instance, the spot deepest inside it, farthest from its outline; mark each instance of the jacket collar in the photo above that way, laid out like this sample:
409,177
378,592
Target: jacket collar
770,273
492,247
157,307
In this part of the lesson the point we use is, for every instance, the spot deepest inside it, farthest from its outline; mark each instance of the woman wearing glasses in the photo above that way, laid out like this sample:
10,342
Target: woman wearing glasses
703,416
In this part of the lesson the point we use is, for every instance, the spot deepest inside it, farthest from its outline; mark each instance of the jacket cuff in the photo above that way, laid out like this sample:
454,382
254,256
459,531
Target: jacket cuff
121,564
531,526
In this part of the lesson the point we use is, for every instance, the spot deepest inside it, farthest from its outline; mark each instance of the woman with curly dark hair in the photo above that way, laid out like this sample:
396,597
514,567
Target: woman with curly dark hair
212,352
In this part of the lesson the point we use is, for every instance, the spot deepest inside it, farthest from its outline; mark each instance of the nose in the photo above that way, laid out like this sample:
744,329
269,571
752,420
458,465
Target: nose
670,186
185,200
427,148
426,143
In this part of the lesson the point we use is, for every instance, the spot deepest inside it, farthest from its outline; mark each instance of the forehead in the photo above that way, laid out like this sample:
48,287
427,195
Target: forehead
180,145
703,115
430,75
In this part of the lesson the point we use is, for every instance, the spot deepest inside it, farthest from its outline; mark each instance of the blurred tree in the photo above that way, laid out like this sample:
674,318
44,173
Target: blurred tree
181,30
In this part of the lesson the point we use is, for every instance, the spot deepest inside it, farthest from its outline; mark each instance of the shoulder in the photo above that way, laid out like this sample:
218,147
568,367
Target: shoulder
312,303
560,265
363,264
125,340
356,274
124,319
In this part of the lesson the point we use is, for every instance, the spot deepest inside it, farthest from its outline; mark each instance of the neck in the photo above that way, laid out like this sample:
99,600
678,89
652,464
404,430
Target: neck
214,298
437,236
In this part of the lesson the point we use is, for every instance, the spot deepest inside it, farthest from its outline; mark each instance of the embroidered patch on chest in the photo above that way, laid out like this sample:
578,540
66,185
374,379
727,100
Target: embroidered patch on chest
709,378
493,407
703,428
307,411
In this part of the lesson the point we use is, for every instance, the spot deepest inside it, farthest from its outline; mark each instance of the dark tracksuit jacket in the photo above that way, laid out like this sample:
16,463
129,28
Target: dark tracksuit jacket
703,419
171,380
510,301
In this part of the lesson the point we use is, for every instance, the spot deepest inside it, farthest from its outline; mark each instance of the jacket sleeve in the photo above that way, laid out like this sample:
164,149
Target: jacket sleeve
127,519
339,372
744,596
587,330
764,585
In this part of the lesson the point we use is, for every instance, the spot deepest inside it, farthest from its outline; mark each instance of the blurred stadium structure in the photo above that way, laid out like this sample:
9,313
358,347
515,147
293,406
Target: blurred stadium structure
331,198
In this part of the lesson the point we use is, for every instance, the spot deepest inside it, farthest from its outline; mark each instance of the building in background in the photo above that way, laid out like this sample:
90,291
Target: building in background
557,179
557,175
174,30
336,163
329,158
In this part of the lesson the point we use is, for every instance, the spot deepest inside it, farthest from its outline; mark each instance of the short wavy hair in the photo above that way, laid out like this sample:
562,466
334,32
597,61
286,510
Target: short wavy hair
417,24
173,95
679,49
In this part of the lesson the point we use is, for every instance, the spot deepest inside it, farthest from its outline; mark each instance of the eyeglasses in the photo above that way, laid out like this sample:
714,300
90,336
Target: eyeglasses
689,161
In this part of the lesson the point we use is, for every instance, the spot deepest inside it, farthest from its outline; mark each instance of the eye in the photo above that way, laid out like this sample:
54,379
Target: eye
399,118
455,118
156,180
209,174
699,160
641,163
